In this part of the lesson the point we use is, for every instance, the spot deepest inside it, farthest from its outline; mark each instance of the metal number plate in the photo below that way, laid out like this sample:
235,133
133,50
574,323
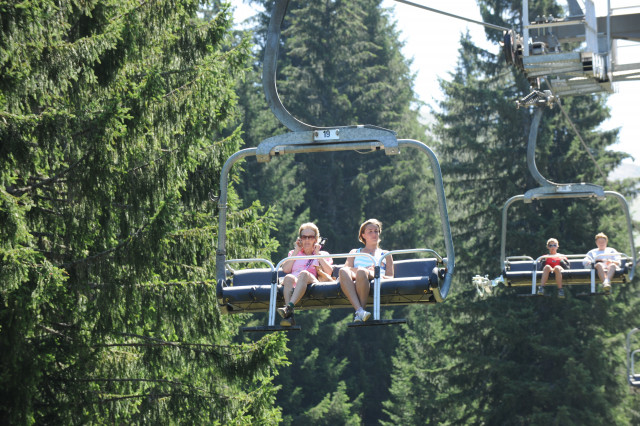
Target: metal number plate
326,135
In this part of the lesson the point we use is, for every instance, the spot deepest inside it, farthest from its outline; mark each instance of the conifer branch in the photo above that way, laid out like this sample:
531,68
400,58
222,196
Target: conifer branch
171,151
43,182
55,332
108,251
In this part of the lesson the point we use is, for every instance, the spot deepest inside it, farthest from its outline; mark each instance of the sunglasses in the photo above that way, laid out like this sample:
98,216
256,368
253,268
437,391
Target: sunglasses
307,237
552,245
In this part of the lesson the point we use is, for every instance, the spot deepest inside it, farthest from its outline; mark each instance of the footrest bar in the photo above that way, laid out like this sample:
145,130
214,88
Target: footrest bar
371,323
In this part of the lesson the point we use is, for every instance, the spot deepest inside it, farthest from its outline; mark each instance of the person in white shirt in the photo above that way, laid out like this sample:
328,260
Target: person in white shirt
606,259
355,277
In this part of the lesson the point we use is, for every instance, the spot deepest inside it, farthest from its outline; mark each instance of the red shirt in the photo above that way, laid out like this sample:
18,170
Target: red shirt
553,261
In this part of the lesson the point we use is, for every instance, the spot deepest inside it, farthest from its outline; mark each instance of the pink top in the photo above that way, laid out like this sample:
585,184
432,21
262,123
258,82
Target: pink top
308,264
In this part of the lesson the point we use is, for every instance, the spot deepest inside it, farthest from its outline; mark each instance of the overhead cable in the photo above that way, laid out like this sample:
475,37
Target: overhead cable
495,27
586,148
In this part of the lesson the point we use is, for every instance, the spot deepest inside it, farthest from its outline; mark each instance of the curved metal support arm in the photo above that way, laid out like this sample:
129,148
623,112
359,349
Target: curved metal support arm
625,208
221,252
325,256
503,237
531,150
269,71
442,292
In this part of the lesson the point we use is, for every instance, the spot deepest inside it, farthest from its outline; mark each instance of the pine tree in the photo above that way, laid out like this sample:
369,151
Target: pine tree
114,125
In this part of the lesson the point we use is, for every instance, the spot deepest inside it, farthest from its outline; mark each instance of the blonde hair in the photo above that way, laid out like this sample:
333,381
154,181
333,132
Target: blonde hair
602,235
309,225
364,225
552,240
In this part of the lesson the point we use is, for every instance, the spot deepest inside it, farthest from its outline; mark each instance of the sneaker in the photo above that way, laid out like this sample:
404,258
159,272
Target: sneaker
606,287
285,311
288,321
361,316
540,290
561,293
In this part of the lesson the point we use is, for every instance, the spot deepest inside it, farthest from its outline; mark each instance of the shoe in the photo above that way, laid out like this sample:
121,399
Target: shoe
561,293
288,321
362,316
285,311
606,287
540,290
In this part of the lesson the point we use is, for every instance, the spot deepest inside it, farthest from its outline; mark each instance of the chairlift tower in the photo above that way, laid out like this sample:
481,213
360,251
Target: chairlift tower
591,69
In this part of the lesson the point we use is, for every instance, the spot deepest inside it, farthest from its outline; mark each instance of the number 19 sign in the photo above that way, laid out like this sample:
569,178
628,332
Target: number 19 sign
326,135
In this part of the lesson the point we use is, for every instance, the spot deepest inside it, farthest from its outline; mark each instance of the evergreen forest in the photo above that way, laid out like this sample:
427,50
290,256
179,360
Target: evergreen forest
116,118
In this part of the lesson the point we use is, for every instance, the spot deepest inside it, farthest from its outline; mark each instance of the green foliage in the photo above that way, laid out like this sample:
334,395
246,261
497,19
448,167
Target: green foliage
115,120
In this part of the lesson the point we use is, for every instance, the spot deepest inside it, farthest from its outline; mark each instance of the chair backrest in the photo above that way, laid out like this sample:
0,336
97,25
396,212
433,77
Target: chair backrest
413,267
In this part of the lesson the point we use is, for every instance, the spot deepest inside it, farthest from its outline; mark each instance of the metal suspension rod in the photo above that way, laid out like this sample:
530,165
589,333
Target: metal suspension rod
575,130
584,145
531,150
269,71
486,24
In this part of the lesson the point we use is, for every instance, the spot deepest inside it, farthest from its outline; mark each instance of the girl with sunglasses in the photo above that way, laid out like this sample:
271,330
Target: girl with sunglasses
301,273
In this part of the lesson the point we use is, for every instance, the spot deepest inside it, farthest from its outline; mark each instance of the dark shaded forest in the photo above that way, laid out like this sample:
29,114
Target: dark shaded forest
115,121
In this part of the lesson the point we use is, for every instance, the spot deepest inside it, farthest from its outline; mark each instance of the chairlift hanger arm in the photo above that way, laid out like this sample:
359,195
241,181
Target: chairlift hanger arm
269,69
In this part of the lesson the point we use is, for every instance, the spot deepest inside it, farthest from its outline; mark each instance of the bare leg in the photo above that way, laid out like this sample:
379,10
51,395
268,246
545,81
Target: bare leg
304,278
363,285
287,284
611,272
348,287
600,270
545,275
558,273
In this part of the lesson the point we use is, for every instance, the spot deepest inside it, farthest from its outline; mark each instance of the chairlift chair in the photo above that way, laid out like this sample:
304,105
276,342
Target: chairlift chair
424,281
522,270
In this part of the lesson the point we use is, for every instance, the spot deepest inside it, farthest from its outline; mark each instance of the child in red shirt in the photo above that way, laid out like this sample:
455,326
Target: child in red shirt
555,262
